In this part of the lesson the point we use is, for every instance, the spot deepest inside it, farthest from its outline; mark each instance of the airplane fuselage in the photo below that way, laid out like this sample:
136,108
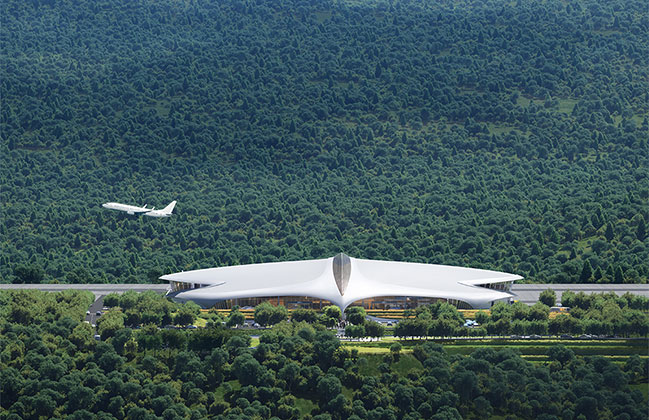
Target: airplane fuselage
157,213
132,210
127,208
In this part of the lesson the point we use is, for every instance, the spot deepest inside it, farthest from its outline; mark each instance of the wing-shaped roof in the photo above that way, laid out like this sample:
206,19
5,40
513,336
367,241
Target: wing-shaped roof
343,280
292,278
392,278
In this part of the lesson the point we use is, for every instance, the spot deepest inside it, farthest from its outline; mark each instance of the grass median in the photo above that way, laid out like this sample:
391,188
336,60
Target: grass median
530,349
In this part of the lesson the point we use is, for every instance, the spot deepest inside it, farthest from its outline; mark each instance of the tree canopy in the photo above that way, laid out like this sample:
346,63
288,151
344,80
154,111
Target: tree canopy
492,134
55,369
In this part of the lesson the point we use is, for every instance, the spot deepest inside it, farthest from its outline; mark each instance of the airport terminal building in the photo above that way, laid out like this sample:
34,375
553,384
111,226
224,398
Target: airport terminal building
342,281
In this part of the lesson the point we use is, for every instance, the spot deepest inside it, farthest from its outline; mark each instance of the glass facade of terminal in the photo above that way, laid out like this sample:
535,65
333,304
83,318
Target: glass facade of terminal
383,302
505,286
341,270
177,286
290,302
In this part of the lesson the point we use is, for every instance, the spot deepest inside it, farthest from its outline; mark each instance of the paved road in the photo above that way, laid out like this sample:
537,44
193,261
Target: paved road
380,320
529,293
526,293
96,288
97,305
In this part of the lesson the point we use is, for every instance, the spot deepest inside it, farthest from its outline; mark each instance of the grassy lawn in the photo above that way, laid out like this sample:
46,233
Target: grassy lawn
374,350
566,105
403,366
305,406
221,390
531,350
370,365
500,129
523,101
643,387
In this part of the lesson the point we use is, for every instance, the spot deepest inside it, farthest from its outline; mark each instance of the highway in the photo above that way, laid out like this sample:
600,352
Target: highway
529,293
526,293
96,288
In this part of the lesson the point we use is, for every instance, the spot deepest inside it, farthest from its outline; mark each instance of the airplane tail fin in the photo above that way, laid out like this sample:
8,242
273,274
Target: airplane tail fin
169,208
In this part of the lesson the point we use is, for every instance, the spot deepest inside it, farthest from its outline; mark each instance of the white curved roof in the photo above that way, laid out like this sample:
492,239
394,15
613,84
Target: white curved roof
343,280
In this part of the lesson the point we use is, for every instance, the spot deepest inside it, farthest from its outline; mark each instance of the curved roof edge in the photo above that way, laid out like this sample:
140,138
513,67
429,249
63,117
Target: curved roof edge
356,279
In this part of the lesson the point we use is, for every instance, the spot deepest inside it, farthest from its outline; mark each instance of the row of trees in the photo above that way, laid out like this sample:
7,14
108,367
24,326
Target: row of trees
267,314
597,314
359,326
55,369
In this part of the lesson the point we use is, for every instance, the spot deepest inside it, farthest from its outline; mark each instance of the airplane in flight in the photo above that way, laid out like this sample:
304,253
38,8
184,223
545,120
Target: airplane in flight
152,212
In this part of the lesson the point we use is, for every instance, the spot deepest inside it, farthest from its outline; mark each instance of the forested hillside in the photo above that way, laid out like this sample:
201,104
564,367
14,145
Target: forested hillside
501,135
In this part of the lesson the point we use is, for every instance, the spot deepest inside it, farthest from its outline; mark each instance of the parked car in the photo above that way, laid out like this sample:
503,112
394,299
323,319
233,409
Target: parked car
98,313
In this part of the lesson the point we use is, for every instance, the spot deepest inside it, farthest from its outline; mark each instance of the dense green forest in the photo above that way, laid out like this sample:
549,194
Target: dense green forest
501,135
52,367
